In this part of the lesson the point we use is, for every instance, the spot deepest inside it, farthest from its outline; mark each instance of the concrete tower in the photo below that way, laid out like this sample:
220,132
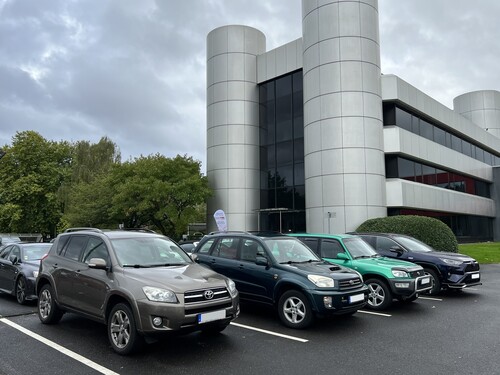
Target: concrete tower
233,124
343,129
482,108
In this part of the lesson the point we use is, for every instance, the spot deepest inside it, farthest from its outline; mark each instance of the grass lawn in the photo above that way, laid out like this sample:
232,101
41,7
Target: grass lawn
484,252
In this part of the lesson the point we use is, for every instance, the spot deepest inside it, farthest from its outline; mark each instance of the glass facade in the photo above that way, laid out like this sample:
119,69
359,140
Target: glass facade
394,115
406,169
282,154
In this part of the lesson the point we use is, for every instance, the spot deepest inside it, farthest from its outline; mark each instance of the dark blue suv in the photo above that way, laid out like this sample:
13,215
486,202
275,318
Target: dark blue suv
448,270
283,272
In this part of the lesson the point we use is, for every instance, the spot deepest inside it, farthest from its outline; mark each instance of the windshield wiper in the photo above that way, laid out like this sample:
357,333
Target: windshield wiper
302,261
167,264
136,265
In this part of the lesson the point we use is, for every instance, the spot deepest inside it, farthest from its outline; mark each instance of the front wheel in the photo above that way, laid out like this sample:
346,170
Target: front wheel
122,332
295,310
48,311
380,296
21,290
436,284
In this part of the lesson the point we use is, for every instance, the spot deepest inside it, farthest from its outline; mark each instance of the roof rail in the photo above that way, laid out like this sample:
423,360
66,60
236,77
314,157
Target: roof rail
139,230
229,231
79,229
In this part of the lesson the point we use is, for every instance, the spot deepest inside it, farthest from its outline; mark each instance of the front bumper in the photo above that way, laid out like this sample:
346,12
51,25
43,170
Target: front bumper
462,280
409,287
327,303
180,317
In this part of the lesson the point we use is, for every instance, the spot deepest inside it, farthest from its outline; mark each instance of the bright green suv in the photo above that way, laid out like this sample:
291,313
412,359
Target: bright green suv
386,278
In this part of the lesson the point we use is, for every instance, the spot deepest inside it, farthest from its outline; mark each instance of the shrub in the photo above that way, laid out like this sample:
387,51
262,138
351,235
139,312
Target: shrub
433,232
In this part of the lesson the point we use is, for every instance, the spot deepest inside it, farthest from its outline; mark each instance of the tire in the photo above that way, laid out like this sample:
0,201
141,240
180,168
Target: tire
48,311
214,329
20,290
122,331
380,296
436,283
295,310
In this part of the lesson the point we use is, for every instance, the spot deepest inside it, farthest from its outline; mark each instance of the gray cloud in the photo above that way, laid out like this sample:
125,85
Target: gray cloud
135,70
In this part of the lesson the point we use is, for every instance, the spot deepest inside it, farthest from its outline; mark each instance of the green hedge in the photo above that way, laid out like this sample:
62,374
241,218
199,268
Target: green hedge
433,232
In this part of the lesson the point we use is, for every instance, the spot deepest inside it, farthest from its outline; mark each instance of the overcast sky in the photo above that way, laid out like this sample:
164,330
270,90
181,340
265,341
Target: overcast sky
134,70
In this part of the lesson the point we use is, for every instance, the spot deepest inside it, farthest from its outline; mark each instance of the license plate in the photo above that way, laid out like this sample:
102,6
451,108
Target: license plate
356,298
474,276
211,316
425,280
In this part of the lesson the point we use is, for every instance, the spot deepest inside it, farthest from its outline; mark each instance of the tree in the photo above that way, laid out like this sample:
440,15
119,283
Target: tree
31,174
159,192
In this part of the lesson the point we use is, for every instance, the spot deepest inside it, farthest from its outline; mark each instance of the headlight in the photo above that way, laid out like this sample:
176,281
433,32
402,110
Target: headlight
399,273
35,274
232,287
321,281
452,262
159,295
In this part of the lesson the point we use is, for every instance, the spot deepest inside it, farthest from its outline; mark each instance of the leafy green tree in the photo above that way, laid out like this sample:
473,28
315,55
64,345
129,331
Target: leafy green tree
32,172
87,195
159,192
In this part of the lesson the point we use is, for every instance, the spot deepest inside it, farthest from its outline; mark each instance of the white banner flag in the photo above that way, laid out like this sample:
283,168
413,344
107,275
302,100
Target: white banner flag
220,219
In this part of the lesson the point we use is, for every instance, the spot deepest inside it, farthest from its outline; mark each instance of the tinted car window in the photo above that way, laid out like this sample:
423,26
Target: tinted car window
330,248
227,248
75,247
384,243
250,249
5,252
312,243
60,245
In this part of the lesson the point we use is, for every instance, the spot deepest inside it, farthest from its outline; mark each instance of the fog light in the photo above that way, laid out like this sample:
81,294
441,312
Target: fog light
402,285
157,321
328,302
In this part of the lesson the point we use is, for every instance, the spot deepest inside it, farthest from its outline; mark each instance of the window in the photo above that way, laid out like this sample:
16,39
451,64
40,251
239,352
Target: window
75,247
385,244
5,252
331,248
205,249
312,243
249,250
227,248
95,249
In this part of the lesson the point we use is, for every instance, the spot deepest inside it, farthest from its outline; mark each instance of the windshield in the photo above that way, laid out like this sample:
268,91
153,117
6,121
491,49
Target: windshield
290,250
148,252
35,252
414,244
359,248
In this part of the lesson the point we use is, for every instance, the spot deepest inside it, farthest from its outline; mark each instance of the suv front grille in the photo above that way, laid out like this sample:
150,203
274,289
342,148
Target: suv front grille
205,295
472,266
415,274
350,284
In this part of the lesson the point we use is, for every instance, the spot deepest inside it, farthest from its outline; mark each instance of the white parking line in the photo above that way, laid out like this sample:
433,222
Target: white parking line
431,299
374,313
63,350
269,332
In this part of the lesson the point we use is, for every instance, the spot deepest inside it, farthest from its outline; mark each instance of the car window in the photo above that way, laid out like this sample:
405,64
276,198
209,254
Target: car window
75,247
95,249
5,252
148,252
385,244
227,247
35,252
205,248
290,249
414,244
312,243
63,240
330,248
359,248
16,251
249,250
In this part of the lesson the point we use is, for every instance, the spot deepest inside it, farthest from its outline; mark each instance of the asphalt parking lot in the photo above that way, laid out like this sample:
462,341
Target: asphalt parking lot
454,333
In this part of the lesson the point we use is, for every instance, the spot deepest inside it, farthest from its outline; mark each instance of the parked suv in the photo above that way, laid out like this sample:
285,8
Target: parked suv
385,277
281,271
139,284
447,270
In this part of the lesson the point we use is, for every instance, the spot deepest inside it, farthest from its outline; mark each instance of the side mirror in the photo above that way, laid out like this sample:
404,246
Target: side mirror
98,263
194,257
342,256
396,249
261,261
14,259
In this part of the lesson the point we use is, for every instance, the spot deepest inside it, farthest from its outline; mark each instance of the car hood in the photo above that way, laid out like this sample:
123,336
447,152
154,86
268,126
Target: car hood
321,268
176,278
447,255
387,263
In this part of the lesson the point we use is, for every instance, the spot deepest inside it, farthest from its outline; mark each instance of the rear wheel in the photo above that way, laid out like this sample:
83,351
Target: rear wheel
21,290
48,311
295,310
436,284
380,296
122,331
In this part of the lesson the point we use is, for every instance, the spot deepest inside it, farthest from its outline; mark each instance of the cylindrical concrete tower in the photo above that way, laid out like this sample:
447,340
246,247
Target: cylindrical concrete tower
482,108
343,129
233,125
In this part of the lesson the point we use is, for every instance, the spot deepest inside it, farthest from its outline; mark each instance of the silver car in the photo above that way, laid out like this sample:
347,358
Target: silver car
139,284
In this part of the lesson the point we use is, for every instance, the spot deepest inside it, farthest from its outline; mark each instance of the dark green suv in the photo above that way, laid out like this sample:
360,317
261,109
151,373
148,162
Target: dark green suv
141,285
385,277
281,271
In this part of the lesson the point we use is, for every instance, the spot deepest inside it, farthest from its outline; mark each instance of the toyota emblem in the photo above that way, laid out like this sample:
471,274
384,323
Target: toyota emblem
208,294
